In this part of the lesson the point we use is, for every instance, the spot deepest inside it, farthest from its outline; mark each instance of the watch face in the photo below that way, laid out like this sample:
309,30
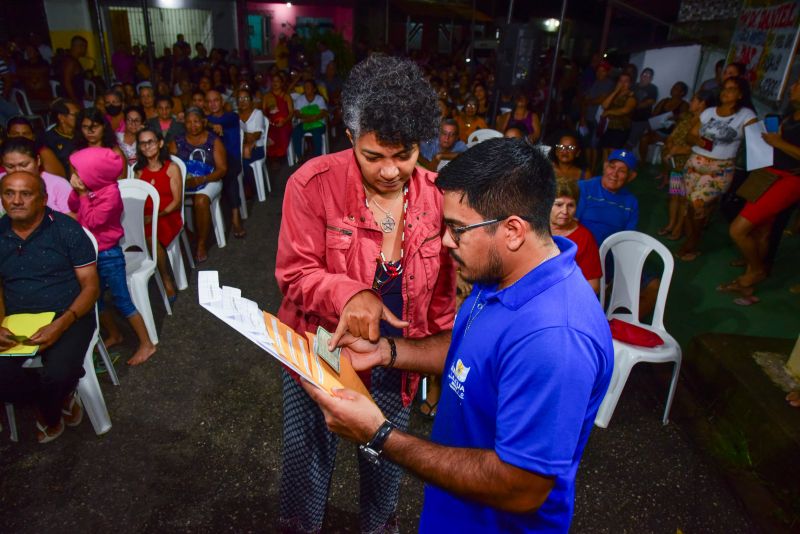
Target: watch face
370,454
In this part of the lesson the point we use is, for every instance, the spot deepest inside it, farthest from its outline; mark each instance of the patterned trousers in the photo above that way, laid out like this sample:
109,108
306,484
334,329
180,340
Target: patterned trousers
309,452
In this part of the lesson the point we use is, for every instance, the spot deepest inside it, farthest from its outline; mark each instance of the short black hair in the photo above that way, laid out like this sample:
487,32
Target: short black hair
390,97
164,98
501,177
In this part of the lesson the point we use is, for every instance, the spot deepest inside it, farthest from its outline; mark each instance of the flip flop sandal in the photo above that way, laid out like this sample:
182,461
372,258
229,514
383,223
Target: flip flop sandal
46,436
664,231
431,409
747,301
99,364
73,415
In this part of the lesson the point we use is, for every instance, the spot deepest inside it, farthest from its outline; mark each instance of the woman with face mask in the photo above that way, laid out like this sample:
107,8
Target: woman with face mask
114,115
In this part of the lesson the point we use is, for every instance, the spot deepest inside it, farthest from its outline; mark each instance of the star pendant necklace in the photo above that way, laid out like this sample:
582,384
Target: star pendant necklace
388,223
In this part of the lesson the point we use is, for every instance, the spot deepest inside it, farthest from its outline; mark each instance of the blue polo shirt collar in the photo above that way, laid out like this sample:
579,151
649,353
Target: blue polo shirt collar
537,280
8,231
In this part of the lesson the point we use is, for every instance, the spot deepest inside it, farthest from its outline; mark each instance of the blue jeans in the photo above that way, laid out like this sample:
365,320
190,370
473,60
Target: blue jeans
111,271
316,136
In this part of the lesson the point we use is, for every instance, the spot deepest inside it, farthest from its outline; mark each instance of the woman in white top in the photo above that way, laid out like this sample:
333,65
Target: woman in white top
254,131
716,136
134,121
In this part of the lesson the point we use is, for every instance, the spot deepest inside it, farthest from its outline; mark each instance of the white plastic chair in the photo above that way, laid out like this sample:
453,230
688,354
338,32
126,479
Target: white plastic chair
89,92
293,158
482,135
174,248
89,391
630,250
54,86
260,173
216,215
21,99
140,263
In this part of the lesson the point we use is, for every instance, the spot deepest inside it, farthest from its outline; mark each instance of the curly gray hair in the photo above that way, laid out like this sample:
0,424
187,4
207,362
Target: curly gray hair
389,96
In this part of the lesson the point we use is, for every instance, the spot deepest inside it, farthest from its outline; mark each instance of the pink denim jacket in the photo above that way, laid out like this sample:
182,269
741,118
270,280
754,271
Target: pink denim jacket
329,244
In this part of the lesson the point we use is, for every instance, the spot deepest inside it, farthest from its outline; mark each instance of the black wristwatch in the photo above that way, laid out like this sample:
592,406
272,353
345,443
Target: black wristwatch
374,447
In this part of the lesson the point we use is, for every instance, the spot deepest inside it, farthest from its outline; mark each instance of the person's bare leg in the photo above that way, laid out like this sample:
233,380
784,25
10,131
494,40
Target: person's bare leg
648,297
695,221
146,347
113,335
163,270
202,222
680,218
236,222
432,397
744,236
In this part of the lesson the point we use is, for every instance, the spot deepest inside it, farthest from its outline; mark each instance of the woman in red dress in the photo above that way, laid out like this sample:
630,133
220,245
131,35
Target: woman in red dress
278,109
155,167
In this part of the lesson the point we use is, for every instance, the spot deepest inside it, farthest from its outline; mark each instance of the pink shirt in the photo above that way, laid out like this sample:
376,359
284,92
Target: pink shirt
58,190
328,245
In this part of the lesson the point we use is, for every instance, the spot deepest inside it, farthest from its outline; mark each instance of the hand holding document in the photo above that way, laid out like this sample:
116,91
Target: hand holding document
23,326
759,153
300,353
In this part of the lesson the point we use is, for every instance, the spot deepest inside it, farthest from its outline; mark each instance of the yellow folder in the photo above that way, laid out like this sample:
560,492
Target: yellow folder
25,325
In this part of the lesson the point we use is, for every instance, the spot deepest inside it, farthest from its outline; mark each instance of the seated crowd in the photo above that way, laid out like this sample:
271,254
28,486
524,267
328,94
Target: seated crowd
219,118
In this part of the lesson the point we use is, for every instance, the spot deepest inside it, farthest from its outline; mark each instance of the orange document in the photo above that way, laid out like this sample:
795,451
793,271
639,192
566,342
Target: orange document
293,349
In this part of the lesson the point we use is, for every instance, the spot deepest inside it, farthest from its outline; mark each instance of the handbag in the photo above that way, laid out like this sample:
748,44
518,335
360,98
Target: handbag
198,167
756,184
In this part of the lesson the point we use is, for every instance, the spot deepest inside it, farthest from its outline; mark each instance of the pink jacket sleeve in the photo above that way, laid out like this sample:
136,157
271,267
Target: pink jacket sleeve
100,212
300,267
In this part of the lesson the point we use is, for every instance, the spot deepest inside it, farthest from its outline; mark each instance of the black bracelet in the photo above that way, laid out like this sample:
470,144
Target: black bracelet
393,352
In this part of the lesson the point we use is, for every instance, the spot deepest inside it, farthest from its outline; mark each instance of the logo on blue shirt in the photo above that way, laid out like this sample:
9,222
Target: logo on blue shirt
457,376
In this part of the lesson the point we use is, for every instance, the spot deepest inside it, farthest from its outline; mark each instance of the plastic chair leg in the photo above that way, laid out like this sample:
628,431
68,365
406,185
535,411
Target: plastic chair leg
290,159
672,387
258,174
92,398
176,262
609,404
163,290
242,198
188,249
218,222
12,423
101,348
141,299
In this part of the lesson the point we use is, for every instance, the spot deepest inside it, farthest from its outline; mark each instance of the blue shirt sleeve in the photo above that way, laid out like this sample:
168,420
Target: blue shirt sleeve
544,390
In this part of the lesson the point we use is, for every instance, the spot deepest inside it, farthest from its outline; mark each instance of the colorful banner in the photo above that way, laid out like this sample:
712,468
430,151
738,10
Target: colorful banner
765,41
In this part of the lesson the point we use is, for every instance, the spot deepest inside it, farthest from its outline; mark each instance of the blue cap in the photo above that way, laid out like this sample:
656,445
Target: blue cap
625,156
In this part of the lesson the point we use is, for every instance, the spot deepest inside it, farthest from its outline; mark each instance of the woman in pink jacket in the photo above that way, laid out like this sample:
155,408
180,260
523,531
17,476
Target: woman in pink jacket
98,204
360,252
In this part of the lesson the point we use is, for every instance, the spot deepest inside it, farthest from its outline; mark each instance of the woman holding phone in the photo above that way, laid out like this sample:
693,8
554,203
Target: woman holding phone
716,136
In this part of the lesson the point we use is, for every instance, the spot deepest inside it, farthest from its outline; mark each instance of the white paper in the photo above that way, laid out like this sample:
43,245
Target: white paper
660,121
759,153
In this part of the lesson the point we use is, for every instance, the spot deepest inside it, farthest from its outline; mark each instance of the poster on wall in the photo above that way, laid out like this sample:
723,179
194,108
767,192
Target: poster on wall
765,41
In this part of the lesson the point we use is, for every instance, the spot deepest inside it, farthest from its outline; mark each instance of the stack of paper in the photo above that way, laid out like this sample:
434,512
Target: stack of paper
277,339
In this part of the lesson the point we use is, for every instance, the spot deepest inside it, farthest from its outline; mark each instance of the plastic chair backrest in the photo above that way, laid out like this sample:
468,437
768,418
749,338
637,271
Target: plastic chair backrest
19,96
630,250
134,196
182,166
482,135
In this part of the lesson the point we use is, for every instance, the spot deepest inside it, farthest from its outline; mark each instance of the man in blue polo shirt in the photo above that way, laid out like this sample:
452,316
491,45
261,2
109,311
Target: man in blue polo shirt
443,148
606,206
524,370
47,263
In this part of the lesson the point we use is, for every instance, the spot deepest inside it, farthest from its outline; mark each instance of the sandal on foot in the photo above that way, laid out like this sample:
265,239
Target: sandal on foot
688,256
240,234
201,259
431,409
72,414
732,287
48,433
747,301
664,231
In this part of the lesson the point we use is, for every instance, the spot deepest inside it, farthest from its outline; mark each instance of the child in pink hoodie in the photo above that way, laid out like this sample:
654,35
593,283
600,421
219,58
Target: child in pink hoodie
97,201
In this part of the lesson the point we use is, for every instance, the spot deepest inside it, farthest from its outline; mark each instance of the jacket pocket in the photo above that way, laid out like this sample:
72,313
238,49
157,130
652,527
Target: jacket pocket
430,251
337,244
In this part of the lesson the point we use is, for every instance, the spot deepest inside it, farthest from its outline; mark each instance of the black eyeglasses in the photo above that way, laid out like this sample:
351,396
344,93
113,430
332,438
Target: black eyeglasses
455,232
